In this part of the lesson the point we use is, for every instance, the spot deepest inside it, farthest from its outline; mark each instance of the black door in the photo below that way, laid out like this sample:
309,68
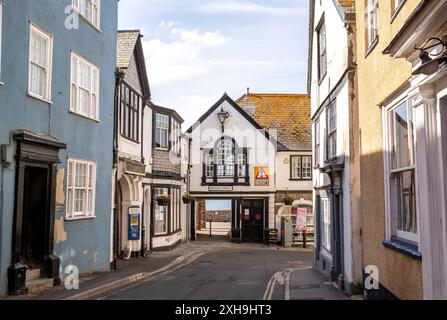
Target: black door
253,221
35,235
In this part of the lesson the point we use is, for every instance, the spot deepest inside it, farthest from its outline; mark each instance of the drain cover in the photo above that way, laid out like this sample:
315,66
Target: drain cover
305,287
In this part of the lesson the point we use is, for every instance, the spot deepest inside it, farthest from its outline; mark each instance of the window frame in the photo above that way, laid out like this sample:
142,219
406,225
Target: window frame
225,167
371,26
130,128
392,170
301,158
168,129
166,206
77,9
33,28
317,155
322,58
331,140
76,110
91,166
326,224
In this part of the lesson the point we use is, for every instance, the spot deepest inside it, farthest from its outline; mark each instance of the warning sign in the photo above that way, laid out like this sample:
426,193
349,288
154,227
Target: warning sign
262,177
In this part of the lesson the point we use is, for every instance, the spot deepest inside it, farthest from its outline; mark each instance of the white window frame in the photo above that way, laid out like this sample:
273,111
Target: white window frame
306,167
317,142
296,164
163,130
94,89
76,5
326,237
331,142
372,22
162,192
1,24
88,188
176,134
242,165
209,165
49,62
388,137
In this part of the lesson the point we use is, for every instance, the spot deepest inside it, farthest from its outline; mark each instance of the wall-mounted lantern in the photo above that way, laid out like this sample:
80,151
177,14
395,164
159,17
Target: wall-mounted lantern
223,116
431,65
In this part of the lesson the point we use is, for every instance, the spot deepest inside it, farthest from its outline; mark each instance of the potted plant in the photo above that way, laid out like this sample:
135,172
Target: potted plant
162,200
288,201
187,198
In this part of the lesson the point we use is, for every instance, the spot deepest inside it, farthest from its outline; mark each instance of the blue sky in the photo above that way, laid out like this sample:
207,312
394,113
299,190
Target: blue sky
198,49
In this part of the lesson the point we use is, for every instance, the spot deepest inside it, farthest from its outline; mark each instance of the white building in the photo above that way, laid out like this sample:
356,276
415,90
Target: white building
234,158
332,88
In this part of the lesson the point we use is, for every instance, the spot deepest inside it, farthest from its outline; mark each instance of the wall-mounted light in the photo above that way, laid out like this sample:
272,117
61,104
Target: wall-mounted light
431,65
223,116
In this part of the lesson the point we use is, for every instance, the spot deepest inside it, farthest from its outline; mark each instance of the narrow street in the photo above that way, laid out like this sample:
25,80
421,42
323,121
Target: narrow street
237,274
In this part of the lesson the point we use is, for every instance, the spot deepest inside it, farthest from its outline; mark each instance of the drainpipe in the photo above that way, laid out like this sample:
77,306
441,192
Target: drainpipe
119,76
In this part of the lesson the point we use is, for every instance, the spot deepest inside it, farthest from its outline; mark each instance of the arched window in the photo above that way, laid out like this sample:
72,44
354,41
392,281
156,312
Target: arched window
225,158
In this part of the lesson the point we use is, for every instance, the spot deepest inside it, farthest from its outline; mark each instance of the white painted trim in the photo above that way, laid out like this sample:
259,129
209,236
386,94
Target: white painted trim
49,57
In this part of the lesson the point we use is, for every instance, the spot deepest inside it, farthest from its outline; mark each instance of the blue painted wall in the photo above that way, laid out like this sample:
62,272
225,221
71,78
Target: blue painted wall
88,241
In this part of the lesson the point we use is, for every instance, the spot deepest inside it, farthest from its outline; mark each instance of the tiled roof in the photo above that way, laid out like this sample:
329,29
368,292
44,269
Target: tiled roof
126,42
288,114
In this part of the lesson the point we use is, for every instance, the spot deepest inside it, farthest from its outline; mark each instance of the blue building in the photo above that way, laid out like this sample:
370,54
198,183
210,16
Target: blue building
57,82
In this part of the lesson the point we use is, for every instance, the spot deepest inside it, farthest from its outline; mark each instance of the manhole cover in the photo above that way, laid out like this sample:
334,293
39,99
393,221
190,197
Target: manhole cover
305,287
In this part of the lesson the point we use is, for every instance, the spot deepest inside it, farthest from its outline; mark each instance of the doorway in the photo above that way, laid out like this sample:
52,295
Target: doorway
35,235
215,220
253,220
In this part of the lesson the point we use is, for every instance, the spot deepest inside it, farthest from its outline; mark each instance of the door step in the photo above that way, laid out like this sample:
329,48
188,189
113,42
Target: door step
32,274
39,285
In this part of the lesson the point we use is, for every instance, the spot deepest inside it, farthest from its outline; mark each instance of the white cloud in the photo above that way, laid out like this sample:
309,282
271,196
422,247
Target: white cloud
232,6
180,59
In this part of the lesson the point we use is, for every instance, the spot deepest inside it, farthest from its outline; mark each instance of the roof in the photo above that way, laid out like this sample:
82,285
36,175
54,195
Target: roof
167,110
128,44
288,114
250,119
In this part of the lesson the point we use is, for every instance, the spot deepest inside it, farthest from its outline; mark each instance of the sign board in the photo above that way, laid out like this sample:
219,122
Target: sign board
262,176
134,223
301,219
220,188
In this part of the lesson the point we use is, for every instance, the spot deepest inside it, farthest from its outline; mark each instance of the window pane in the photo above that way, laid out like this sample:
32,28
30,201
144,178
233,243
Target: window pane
404,183
403,137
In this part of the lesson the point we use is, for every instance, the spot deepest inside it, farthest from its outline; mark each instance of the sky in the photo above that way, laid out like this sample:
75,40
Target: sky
196,50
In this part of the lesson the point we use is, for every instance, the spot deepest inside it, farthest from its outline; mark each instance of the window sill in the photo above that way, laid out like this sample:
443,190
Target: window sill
300,180
404,247
2,83
80,218
372,47
397,10
84,116
35,96
162,149
130,139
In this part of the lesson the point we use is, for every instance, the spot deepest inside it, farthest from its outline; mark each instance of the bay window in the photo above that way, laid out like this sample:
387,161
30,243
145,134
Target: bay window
161,212
225,158
161,131
326,223
130,106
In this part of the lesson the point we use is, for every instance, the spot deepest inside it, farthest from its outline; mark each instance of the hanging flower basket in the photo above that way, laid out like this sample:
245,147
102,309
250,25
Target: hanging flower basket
187,198
288,201
162,200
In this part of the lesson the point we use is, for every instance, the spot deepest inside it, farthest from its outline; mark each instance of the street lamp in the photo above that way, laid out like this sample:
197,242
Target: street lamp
223,116
429,65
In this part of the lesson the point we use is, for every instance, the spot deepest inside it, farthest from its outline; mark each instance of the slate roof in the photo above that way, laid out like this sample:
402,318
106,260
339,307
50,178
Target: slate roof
126,41
288,114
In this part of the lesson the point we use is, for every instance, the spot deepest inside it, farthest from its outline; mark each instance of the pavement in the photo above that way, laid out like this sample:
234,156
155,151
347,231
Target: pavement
206,270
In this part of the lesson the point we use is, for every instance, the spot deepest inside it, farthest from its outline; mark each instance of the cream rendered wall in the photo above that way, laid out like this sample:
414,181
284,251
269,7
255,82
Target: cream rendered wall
261,151
283,182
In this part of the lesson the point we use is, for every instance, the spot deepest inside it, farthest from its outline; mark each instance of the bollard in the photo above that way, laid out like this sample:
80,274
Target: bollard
304,238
